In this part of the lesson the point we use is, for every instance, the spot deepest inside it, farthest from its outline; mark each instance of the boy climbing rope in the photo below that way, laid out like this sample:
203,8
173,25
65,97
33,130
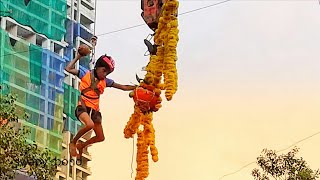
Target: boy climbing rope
92,85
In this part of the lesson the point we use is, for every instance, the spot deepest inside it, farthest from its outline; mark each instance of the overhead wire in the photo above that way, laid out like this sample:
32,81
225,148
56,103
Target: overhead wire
308,137
131,27
229,174
187,12
123,29
246,165
204,7
138,25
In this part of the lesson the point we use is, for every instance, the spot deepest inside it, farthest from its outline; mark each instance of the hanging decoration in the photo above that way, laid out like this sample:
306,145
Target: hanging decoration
161,76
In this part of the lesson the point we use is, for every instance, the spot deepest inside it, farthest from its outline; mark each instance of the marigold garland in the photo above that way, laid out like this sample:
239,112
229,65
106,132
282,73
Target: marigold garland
161,65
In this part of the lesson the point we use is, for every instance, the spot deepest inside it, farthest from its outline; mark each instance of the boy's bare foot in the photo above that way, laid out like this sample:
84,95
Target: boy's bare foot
80,149
73,149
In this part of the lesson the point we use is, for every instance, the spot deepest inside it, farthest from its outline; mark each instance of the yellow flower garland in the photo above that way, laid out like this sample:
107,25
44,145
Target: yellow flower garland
163,64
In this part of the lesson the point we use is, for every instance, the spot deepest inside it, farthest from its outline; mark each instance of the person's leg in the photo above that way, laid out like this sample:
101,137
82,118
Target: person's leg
99,137
98,130
88,125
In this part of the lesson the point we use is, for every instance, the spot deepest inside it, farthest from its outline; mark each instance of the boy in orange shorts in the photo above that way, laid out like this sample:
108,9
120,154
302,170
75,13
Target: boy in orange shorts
92,85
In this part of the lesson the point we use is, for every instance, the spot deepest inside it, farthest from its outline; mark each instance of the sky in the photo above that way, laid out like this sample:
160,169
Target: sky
248,80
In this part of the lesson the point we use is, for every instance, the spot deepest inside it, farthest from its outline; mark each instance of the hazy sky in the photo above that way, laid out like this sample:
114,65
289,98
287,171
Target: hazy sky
248,79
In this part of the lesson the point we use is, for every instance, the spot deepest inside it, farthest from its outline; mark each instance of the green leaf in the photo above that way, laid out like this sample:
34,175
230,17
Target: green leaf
15,152
285,166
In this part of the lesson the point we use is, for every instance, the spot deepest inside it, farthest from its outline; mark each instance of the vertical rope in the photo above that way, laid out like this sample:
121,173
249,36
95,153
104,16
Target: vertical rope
132,156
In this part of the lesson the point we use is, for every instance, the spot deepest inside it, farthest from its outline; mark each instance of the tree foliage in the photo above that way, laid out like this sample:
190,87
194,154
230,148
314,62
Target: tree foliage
15,152
283,167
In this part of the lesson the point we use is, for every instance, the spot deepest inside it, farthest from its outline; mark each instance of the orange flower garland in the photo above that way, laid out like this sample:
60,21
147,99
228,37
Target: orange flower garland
163,64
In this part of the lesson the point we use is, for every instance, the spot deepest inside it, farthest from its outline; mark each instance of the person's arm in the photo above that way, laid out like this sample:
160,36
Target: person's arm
123,87
70,67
